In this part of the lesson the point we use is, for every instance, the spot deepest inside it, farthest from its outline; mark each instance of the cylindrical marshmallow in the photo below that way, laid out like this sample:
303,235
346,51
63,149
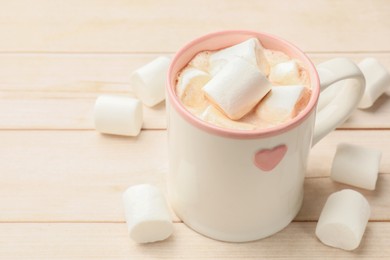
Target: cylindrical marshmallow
251,50
189,86
237,88
343,220
377,81
355,165
215,117
147,215
148,82
285,73
118,115
282,103
274,57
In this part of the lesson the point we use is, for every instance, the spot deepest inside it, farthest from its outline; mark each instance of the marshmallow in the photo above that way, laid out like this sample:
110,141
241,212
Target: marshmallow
377,81
343,220
147,215
355,165
201,61
214,116
250,50
148,82
237,88
118,115
275,57
285,73
189,86
283,103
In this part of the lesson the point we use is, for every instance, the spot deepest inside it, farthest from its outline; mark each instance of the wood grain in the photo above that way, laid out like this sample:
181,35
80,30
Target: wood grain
61,186
110,241
63,110
164,26
84,73
85,173
35,89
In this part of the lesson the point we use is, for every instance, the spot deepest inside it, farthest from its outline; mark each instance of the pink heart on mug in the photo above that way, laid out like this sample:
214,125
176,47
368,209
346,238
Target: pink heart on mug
267,159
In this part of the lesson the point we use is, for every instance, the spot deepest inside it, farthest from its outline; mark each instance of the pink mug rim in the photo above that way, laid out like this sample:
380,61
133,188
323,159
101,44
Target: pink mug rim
243,134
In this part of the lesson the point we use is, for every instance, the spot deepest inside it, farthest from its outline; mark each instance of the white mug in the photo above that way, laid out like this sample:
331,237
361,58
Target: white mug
236,185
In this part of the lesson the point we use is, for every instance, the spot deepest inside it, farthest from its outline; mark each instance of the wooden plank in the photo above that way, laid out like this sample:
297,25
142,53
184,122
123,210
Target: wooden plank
81,175
383,57
110,241
375,117
150,26
58,175
80,73
57,91
69,72
64,113
62,110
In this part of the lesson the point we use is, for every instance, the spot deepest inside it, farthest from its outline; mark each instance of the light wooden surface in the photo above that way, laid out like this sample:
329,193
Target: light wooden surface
61,182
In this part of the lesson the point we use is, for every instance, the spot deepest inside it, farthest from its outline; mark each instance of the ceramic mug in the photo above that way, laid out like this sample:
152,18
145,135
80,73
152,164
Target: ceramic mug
236,185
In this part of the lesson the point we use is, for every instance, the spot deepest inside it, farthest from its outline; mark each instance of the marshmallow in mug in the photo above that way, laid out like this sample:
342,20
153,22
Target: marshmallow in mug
237,88
282,103
148,82
147,214
189,86
377,81
355,165
343,220
250,50
239,84
275,57
285,73
213,115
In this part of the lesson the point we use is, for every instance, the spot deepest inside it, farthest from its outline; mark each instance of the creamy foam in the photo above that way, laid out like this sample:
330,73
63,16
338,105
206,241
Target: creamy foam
262,116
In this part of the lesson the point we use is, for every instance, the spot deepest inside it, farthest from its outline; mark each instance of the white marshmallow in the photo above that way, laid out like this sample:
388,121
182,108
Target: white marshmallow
250,50
148,82
189,86
343,220
214,116
355,165
147,214
237,88
201,61
285,73
118,115
377,81
282,103
275,57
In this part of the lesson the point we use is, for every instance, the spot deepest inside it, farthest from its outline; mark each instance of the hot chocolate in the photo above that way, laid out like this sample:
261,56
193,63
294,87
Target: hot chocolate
244,87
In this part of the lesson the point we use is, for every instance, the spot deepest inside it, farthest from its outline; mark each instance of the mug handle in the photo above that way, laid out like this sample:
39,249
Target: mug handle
338,102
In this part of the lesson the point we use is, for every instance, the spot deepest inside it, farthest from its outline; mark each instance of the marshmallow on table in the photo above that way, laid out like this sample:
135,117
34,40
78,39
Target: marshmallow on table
189,86
148,82
214,116
282,103
250,50
118,115
355,165
237,88
285,73
147,214
343,220
377,81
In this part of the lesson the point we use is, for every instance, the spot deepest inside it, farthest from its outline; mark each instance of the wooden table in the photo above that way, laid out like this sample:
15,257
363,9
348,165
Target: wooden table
61,181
